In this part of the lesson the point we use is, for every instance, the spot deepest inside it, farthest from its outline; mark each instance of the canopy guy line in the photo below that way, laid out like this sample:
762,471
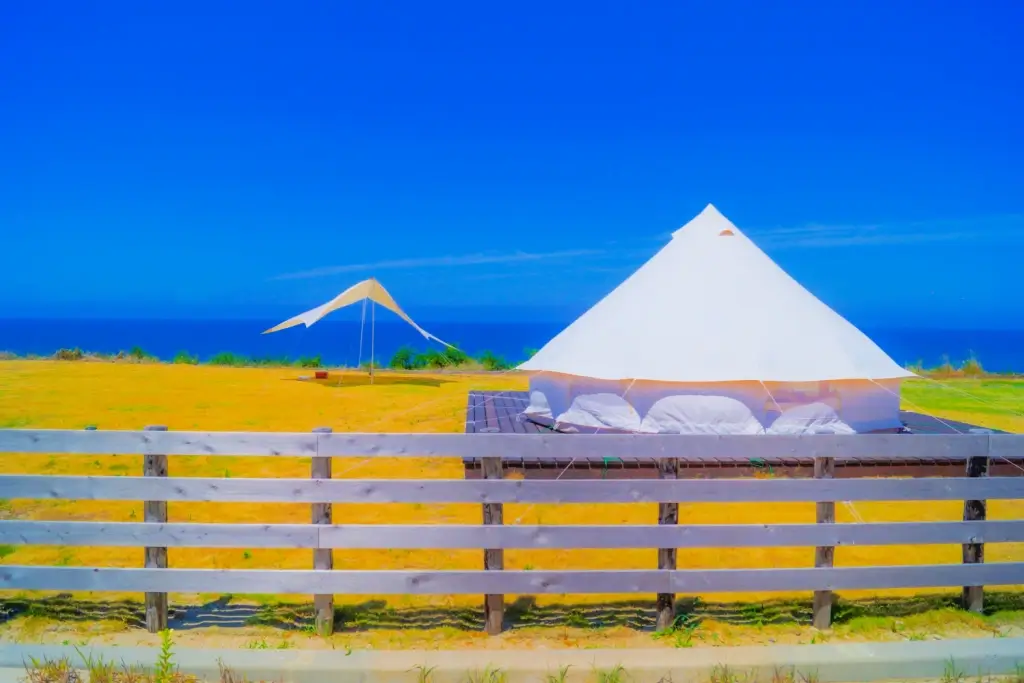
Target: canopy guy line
944,423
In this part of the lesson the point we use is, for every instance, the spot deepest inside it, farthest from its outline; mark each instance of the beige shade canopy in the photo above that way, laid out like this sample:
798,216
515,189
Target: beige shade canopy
367,289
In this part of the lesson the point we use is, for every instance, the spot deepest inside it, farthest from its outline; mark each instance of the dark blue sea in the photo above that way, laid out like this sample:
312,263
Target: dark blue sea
337,342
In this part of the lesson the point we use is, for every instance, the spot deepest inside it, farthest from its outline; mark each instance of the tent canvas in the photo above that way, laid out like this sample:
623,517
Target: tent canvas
712,336
368,290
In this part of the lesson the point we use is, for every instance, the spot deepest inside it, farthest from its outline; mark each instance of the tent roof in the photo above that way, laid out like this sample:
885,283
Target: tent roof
367,289
710,306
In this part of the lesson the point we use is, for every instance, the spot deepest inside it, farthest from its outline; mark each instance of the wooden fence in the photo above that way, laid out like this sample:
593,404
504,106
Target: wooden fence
156,489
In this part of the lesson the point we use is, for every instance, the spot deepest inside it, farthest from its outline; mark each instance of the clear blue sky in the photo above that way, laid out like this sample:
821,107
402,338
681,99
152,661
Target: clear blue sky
179,158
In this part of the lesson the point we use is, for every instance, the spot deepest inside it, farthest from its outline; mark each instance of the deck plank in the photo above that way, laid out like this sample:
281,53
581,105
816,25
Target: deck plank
501,411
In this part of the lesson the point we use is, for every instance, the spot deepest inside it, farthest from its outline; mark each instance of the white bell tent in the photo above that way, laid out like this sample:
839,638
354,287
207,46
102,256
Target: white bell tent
710,336
366,291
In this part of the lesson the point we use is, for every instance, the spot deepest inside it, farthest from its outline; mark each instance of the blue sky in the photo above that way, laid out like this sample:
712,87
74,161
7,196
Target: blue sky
507,160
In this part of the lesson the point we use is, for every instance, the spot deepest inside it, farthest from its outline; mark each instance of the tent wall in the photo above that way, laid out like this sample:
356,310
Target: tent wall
836,407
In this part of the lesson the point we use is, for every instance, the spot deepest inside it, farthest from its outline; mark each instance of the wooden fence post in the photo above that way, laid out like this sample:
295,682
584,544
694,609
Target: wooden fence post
323,558
973,597
668,513
155,511
494,604
824,556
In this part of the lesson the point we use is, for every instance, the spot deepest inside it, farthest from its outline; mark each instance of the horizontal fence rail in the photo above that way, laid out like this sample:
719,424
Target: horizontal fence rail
507,581
158,490
864,447
457,536
265,490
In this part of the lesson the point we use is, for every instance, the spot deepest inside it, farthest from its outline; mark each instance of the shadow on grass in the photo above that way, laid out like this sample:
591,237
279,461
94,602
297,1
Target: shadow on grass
345,381
521,613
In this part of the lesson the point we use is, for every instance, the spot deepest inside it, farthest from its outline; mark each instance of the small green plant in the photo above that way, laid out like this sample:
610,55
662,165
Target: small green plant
165,669
951,673
488,675
185,358
100,670
684,637
246,555
310,362
722,674
614,675
576,619
47,670
6,550
424,674
784,674
260,644
812,677
560,677
285,644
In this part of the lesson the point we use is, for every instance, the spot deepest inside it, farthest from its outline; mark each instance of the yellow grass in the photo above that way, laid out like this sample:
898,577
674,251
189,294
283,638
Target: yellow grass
122,396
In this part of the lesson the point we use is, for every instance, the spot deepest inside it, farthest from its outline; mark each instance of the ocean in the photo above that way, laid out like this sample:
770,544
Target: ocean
337,342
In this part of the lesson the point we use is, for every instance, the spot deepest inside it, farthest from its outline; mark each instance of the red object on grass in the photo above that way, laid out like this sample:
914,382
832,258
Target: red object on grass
321,374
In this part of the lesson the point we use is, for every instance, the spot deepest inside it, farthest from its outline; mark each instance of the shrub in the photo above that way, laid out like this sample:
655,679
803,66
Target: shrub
432,358
972,367
404,359
311,362
946,369
68,354
228,359
184,358
490,361
455,356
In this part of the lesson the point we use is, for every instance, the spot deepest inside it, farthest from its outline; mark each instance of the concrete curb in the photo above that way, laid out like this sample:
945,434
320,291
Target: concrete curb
831,663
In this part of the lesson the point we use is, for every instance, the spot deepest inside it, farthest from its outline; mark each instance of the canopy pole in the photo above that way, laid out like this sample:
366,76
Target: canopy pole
373,329
362,327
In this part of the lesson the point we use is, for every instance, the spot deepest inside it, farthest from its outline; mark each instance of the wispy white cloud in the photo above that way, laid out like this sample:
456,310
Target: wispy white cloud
441,262
814,235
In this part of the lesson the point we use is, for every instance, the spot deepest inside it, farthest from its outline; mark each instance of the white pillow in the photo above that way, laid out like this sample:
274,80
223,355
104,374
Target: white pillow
811,418
601,411
697,414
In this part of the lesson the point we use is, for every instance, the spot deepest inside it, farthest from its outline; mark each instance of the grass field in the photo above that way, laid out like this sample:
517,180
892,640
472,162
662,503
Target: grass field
54,394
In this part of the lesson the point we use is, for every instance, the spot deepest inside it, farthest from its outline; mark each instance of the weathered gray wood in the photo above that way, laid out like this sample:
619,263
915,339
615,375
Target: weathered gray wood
1004,447
494,558
519,582
515,446
164,443
178,535
688,447
668,515
824,556
323,558
155,512
199,489
457,536
973,597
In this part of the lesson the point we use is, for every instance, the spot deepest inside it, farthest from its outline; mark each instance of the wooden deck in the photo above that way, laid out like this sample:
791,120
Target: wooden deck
501,412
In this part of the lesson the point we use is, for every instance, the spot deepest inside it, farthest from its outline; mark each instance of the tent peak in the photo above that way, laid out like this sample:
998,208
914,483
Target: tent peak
710,219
